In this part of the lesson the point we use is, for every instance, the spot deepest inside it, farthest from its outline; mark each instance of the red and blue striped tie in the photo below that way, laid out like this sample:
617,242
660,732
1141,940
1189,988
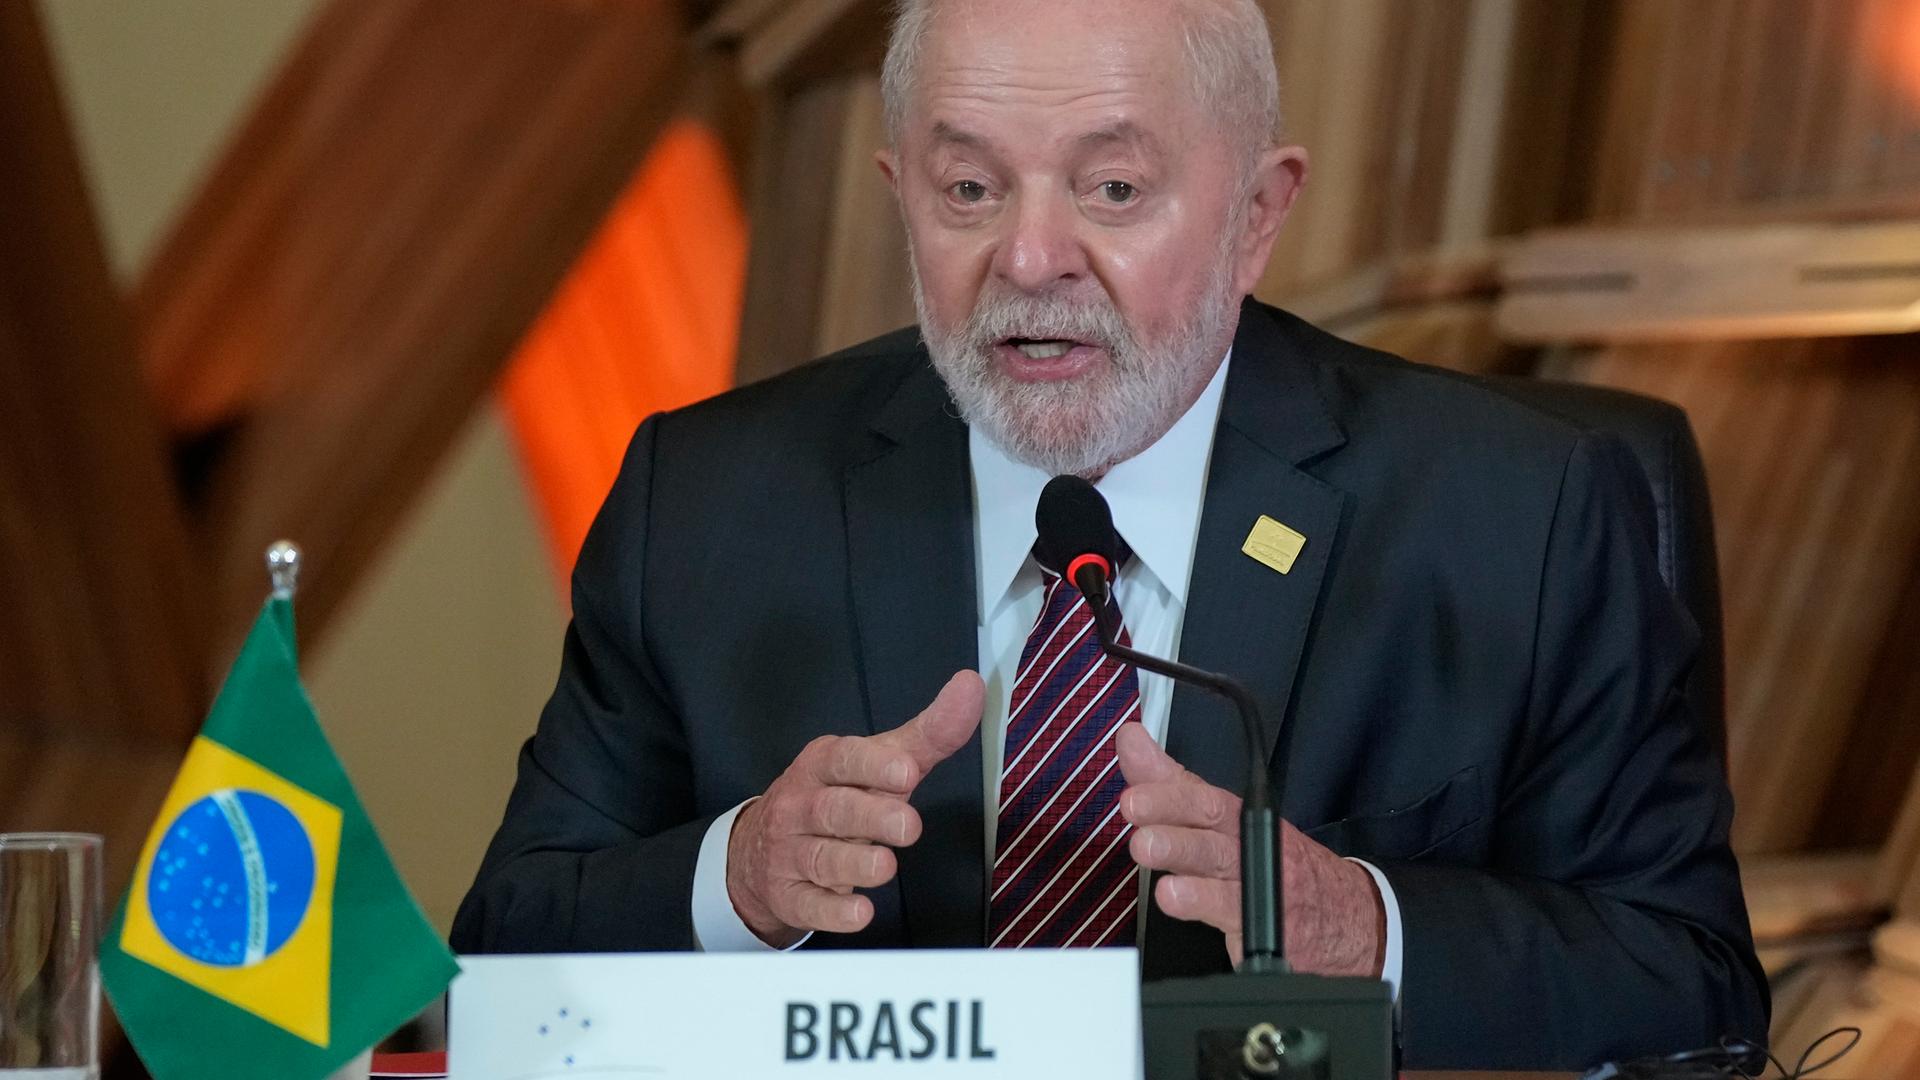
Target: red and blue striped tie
1062,875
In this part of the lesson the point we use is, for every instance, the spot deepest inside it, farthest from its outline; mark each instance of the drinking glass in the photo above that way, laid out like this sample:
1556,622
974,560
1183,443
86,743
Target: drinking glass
49,962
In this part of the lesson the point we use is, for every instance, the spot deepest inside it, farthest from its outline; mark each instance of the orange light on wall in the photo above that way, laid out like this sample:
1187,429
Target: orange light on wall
1895,35
647,320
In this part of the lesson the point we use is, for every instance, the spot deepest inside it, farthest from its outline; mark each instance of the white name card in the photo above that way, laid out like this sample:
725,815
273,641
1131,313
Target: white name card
978,1013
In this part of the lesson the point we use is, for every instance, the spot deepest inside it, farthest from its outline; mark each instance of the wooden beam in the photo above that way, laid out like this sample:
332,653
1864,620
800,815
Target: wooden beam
735,20
367,252
1765,281
1435,308
1467,273
102,632
102,638
798,29
1804,895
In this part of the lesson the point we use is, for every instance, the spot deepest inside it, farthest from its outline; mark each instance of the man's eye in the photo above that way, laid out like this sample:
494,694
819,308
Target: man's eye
1118,191
968,191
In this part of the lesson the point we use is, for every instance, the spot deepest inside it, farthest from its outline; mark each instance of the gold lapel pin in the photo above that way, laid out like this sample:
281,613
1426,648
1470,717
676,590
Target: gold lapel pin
1273,545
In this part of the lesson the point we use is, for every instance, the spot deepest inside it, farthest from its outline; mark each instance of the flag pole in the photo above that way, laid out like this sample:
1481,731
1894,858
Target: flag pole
283,568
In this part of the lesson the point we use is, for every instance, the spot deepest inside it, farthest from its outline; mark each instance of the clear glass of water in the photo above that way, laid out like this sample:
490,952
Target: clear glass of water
49,956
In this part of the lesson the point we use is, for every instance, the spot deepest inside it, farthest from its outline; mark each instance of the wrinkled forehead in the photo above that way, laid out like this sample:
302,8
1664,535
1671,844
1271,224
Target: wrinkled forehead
1059,69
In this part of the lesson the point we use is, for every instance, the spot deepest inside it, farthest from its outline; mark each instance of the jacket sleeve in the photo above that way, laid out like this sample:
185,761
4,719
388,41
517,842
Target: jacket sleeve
600,838
1609,921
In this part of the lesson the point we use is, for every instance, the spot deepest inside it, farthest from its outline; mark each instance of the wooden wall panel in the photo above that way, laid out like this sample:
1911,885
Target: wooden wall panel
1312,41
1813,456
1430,126
801,135
866,267
1876,769
370,248
829,266
1750,103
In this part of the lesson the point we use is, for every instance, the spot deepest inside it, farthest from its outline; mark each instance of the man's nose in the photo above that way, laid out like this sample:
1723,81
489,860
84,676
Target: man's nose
1041,248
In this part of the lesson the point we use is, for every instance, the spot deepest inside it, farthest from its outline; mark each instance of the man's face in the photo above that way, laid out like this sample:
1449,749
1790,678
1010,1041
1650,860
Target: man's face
1082,231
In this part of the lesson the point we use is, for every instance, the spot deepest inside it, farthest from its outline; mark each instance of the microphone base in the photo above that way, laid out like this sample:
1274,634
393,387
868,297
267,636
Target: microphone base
1331,1028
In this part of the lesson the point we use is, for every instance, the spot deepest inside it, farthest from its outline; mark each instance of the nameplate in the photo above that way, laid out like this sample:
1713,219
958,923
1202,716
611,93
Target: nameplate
1042,1013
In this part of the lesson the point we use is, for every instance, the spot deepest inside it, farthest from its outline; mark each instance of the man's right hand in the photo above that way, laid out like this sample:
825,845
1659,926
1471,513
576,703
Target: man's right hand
828,825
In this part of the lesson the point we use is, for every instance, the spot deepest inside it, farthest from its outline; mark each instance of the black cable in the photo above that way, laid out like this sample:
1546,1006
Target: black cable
1728,1059
1801,1068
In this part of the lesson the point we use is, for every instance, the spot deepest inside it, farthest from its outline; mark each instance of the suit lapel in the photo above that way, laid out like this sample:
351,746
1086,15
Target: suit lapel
910,554
1242,617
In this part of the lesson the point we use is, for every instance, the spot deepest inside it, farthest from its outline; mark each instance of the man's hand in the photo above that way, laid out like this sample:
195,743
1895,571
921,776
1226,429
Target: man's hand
1335,921
828,825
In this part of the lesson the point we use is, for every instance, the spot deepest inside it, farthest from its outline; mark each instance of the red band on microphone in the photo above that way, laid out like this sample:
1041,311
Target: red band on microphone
1089,559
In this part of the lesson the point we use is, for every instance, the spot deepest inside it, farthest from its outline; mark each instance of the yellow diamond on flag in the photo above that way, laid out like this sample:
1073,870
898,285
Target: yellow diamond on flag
234,890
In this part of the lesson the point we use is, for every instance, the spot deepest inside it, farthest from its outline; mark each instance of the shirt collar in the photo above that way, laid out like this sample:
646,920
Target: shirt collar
1155,495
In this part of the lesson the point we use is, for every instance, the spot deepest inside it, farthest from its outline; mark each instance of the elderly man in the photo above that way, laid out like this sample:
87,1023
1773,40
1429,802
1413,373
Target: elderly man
1496,799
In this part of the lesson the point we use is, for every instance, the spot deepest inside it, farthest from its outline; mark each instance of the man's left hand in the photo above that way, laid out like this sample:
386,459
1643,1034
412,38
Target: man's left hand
1335,921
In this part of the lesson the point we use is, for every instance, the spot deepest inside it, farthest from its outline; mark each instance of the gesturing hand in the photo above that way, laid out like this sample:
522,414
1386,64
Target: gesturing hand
1191,829
827,825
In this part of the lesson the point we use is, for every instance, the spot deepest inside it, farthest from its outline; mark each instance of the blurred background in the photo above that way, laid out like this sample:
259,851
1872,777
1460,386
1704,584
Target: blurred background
397,279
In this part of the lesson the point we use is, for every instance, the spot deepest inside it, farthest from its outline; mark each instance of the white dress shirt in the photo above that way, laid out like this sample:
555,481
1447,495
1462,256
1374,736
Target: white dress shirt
1156,498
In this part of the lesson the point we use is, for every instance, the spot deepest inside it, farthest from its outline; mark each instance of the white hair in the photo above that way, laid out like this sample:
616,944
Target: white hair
1229,56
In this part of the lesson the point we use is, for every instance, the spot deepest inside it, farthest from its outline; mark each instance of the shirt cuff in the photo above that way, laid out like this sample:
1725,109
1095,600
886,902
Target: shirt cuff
717,927
1390,965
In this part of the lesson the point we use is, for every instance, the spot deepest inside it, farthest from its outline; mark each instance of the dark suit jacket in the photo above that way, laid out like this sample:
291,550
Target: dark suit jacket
1471,676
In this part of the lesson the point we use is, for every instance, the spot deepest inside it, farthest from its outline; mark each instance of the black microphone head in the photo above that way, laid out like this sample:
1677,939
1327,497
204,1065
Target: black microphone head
1073,520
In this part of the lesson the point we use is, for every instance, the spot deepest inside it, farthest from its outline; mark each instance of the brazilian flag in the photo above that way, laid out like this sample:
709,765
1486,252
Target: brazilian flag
265,933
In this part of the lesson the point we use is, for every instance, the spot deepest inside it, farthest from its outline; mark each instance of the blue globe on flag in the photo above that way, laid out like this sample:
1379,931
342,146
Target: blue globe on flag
232,879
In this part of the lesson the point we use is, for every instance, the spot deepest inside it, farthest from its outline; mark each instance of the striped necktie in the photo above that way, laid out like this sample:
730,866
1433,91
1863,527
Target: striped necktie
1062,874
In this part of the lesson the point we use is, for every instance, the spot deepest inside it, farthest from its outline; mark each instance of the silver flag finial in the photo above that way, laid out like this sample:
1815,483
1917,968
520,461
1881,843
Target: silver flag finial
283,566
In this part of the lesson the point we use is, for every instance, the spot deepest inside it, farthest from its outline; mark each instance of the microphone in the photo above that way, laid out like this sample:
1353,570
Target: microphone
1263,1021
1077,540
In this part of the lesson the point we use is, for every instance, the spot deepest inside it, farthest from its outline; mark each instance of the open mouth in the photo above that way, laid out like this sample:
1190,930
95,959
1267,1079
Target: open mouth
1040,359
1043,348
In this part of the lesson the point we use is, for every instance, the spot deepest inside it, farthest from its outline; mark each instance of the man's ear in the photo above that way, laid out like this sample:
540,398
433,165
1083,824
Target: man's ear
1279,176
889,168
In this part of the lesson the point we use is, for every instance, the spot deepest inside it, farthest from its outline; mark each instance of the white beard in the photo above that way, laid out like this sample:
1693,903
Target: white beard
1086,425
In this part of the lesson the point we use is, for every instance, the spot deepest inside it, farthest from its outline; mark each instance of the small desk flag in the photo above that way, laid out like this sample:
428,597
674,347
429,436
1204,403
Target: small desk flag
265,932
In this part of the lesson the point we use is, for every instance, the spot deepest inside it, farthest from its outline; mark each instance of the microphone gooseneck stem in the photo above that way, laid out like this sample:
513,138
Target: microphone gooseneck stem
1260,896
